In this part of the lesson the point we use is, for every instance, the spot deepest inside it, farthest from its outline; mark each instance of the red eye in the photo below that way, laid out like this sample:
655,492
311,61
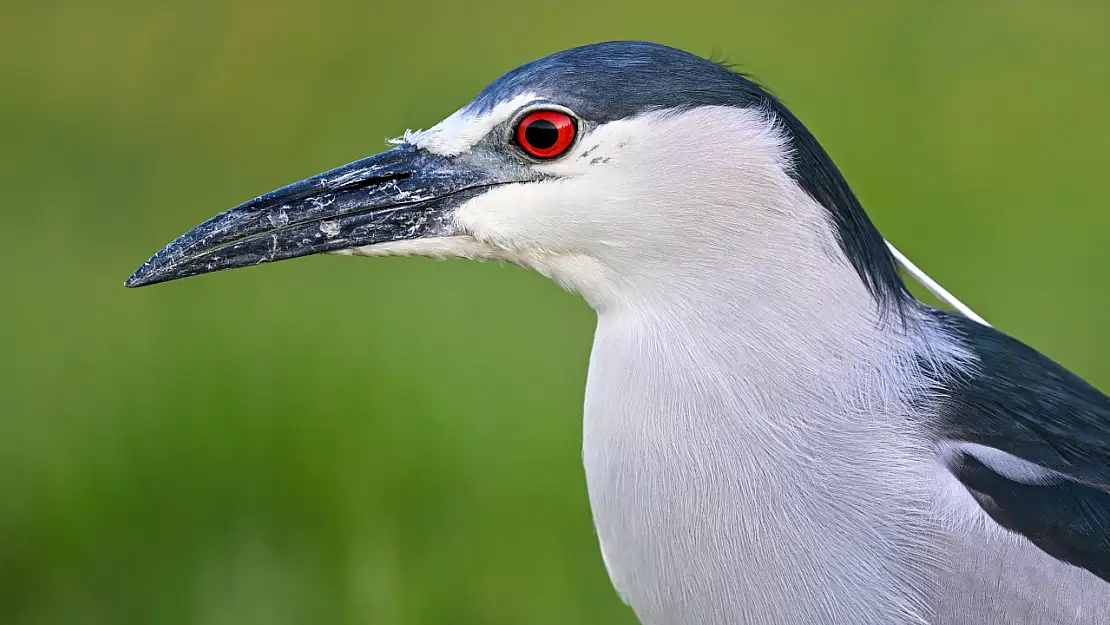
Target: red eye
545,134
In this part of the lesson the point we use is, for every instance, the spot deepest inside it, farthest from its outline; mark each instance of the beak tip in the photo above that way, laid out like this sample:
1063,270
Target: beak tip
134,281
143,276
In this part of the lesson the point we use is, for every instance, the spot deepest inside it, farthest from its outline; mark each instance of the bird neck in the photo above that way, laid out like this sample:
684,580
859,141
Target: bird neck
767,270
772,305
763,431
774,343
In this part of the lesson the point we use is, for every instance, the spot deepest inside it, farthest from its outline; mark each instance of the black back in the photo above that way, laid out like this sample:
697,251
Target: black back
1023,403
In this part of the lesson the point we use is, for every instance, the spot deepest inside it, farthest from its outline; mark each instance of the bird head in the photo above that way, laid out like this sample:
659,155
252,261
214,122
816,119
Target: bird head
613,168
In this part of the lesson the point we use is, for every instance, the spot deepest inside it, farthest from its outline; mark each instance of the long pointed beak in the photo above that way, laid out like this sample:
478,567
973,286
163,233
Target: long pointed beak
403,193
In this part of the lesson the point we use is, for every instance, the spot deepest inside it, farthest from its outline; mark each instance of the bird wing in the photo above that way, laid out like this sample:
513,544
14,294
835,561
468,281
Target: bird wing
1031,442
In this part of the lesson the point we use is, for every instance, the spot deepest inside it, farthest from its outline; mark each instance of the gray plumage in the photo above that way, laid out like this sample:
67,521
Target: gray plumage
776,431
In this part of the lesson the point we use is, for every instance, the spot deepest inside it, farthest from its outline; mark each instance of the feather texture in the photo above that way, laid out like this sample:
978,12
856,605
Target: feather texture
1026,406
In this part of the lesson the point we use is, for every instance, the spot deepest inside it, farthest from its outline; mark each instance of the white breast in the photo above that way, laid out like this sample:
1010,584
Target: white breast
731,488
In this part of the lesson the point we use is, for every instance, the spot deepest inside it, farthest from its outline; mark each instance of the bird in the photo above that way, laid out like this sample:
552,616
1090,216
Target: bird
776,430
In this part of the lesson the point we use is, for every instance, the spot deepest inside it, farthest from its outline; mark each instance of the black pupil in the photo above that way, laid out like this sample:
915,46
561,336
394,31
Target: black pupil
541,134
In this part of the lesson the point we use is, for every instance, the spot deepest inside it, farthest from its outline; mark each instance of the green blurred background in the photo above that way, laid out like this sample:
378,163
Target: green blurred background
396,441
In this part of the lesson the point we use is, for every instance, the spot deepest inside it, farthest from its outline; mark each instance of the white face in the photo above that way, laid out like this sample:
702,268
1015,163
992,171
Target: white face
662,195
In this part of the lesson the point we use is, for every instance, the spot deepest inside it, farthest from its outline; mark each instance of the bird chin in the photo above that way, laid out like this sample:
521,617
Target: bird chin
575,272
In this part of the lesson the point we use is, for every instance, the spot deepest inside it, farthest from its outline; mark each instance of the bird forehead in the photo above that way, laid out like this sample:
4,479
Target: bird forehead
614,80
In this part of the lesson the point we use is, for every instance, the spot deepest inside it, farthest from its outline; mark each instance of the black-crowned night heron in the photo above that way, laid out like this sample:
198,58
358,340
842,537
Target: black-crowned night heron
776,431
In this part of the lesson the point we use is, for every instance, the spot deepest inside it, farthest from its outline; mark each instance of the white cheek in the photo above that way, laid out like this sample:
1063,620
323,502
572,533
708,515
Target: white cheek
595,151
579,208
513,216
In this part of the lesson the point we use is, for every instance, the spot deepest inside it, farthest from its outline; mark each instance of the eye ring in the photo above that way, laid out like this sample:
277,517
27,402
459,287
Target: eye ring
546,134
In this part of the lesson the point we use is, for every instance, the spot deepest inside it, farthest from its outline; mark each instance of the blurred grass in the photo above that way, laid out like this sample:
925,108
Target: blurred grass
396,441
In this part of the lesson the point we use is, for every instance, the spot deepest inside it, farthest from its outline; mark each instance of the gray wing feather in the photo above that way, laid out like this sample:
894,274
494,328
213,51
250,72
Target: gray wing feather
1024,404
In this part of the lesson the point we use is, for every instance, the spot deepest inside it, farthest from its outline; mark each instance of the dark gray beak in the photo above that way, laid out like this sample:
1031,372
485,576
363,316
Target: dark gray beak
404,193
